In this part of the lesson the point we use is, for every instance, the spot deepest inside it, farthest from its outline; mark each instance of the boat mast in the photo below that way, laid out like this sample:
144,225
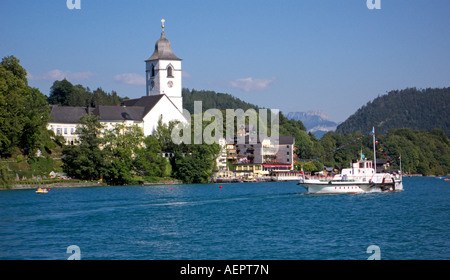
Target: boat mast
374,151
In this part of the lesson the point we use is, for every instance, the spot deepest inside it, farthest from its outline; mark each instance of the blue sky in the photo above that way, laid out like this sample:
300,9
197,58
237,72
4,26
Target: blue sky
298,55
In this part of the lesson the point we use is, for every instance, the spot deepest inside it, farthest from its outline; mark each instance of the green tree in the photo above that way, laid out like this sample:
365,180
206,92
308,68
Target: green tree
60,92
86,160
36,115
13,90
5,176
23,110
149,161
191,169
119,151
64,93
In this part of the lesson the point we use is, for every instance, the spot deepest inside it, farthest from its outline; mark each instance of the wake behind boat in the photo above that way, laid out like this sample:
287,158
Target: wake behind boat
362,177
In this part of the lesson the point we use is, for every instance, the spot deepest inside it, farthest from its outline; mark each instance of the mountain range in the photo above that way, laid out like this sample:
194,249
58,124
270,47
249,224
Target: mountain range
316,122
419,109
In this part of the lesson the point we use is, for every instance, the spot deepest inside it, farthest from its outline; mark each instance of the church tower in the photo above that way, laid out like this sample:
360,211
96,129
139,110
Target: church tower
163,72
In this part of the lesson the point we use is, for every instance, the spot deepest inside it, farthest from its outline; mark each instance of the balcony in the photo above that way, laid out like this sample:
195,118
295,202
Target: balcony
270,156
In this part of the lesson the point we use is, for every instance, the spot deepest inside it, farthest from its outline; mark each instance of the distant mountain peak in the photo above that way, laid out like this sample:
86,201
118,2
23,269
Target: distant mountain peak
319,113
316,122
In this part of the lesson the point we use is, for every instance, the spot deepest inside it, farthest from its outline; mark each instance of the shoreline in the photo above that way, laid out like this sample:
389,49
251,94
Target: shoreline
50,186
75,185
93,184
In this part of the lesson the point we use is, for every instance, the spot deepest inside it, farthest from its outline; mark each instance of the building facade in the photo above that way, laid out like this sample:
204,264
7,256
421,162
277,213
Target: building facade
163,100
264,155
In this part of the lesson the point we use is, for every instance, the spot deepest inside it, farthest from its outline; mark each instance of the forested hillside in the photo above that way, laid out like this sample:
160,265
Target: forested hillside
425,109
64,93
27,147
211,99
223,101
423,152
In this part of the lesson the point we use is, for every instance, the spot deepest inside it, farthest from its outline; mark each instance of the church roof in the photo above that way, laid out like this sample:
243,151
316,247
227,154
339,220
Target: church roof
145,102
67,114
119,113
133,109
163,50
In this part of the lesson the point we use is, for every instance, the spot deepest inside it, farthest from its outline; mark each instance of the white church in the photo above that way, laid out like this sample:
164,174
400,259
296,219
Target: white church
163,99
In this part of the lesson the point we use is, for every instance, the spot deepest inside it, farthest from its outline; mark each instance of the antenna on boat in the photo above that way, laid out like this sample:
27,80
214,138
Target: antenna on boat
374,150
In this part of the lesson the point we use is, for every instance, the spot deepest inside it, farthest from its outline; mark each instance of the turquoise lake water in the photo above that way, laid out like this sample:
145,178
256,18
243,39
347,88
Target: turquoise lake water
261,221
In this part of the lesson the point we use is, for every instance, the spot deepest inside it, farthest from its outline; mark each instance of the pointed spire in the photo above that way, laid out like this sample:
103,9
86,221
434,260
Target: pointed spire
163,34
163,49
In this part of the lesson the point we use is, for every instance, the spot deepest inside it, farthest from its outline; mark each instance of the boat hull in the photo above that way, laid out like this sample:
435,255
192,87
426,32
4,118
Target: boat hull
349,187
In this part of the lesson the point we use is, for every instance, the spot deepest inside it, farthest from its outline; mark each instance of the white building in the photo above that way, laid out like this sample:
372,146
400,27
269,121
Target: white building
64,121
163,72
163,100
221,160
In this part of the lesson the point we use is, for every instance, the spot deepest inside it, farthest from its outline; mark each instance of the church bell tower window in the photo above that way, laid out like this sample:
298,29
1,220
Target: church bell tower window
169,72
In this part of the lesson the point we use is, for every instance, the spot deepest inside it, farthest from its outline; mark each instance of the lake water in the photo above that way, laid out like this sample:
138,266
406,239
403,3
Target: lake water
238,221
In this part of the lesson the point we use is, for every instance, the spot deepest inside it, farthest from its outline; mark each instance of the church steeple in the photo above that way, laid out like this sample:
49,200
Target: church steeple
163,70
163,48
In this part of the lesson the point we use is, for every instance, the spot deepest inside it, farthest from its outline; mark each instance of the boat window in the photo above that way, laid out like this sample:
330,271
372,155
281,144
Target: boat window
361,165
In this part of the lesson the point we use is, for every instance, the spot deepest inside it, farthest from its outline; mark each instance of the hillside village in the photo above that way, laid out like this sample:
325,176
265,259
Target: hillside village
28,143
250,161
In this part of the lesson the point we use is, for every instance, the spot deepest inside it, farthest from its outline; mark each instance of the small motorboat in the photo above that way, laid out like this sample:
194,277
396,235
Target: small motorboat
40,190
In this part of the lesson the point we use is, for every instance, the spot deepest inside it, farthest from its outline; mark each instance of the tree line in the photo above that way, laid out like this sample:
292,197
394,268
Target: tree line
421,152
24,114
124,156
424,151
64,93
421,109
